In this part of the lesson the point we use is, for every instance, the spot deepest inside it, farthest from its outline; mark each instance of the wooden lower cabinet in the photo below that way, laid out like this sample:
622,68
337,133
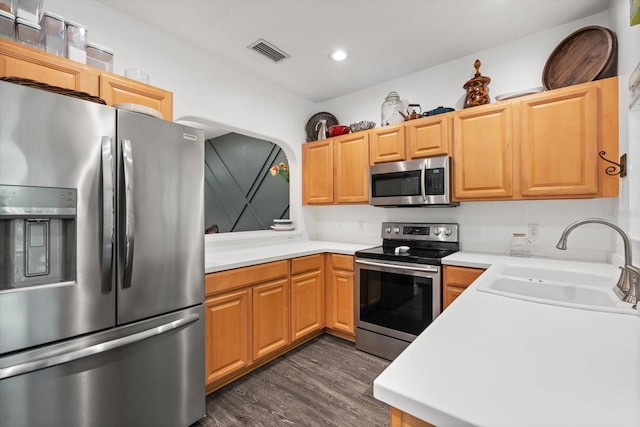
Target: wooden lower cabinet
402,419
340,295
254,314
307,296
270,317
227,334
456,280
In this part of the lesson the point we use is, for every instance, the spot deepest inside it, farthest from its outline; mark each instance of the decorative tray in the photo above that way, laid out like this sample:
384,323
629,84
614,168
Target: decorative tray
310,128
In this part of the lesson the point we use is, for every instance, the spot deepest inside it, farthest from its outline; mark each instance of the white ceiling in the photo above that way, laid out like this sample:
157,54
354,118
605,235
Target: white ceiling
386,38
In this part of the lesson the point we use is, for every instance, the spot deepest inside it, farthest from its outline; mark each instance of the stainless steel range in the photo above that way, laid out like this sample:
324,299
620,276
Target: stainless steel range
398,285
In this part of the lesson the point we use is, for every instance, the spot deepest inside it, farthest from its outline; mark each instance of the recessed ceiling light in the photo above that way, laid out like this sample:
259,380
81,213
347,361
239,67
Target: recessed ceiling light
338,55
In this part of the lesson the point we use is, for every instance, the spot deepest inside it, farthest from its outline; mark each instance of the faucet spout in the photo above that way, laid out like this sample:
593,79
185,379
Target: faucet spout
627,286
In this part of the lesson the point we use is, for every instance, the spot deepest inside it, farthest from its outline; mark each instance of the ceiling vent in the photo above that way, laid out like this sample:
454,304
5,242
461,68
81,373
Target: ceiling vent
265,48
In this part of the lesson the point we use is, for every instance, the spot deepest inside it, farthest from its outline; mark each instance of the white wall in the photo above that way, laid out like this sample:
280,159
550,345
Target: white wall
628,208
214,93
206,90
484,226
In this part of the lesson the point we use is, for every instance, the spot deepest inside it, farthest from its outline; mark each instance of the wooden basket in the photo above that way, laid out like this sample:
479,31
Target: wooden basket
55,89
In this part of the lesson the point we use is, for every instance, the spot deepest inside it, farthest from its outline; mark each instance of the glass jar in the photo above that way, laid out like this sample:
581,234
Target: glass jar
390,110
519,245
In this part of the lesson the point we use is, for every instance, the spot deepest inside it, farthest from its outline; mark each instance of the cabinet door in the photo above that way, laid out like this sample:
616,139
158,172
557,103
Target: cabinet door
340,293
317,172
559,143
351,163
17,60
270,317
456,280
116,89
307,303
482,160
429,136
387,144
227,334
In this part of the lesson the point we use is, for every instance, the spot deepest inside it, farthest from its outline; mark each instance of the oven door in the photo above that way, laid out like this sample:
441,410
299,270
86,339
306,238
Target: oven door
396,299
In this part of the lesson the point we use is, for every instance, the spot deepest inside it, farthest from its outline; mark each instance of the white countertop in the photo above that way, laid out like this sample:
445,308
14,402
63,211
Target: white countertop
226,257
489,360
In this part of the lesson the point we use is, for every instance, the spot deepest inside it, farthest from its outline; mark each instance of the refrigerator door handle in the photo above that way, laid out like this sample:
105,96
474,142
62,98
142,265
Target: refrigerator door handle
71,355
108,225
130,220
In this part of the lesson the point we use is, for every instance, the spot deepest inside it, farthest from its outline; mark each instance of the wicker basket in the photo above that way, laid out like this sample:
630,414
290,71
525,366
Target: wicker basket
54,89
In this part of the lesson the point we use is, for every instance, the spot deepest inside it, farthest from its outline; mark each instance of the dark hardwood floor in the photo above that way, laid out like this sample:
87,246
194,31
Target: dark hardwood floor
325,382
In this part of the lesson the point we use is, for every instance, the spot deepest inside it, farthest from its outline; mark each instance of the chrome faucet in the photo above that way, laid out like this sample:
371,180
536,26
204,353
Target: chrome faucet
627,288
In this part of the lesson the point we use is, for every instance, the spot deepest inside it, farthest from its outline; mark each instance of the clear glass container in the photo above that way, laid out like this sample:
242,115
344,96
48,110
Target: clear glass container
519,245
29,10
8,6
27,32
76,42
53,35
391,107
7,25
99,57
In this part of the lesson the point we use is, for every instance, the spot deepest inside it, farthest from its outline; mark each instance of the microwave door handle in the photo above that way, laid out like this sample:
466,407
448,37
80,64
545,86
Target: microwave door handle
423,175
130,217
107,215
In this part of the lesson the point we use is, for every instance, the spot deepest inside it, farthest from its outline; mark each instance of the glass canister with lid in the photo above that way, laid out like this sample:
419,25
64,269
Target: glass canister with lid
519,245
391,108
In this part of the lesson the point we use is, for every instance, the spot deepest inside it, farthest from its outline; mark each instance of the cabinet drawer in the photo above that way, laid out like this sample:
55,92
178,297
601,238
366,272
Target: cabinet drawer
245,276
461,276
342,262
306,263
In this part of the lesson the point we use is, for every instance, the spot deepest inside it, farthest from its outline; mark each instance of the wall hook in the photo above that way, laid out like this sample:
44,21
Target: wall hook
620,167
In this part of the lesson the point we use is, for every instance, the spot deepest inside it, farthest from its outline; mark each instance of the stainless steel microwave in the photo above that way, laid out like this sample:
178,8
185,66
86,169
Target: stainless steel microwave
423,182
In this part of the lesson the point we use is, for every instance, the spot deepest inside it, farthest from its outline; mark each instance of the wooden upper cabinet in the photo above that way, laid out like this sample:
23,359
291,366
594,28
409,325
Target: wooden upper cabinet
559,142
317,172
483,152
17,60
116,89
351,167
429,136
387,144
542,146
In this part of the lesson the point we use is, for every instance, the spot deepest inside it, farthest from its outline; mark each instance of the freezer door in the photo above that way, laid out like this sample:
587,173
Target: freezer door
55,237
149,373
161,217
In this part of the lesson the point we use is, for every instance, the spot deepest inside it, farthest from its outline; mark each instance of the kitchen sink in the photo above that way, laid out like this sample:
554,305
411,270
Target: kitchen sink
567,288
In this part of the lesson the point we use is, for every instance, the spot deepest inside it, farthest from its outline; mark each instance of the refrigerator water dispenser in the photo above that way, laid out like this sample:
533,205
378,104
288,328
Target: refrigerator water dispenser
37,236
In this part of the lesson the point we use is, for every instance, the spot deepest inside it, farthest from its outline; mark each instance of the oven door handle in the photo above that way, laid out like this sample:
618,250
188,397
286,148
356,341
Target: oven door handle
399,267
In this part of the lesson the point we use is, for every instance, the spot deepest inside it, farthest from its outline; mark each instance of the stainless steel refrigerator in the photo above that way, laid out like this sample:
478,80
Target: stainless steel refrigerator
101,265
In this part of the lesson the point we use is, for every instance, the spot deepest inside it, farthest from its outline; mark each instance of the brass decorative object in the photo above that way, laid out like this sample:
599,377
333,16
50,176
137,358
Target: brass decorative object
477,90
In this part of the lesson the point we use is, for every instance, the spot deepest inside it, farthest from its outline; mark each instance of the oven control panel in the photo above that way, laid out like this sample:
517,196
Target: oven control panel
420,231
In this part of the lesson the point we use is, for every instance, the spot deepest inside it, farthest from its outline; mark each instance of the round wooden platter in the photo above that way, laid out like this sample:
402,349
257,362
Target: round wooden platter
588,54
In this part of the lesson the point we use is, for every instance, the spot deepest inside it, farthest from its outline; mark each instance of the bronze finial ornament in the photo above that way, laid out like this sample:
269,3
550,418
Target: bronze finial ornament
477,91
